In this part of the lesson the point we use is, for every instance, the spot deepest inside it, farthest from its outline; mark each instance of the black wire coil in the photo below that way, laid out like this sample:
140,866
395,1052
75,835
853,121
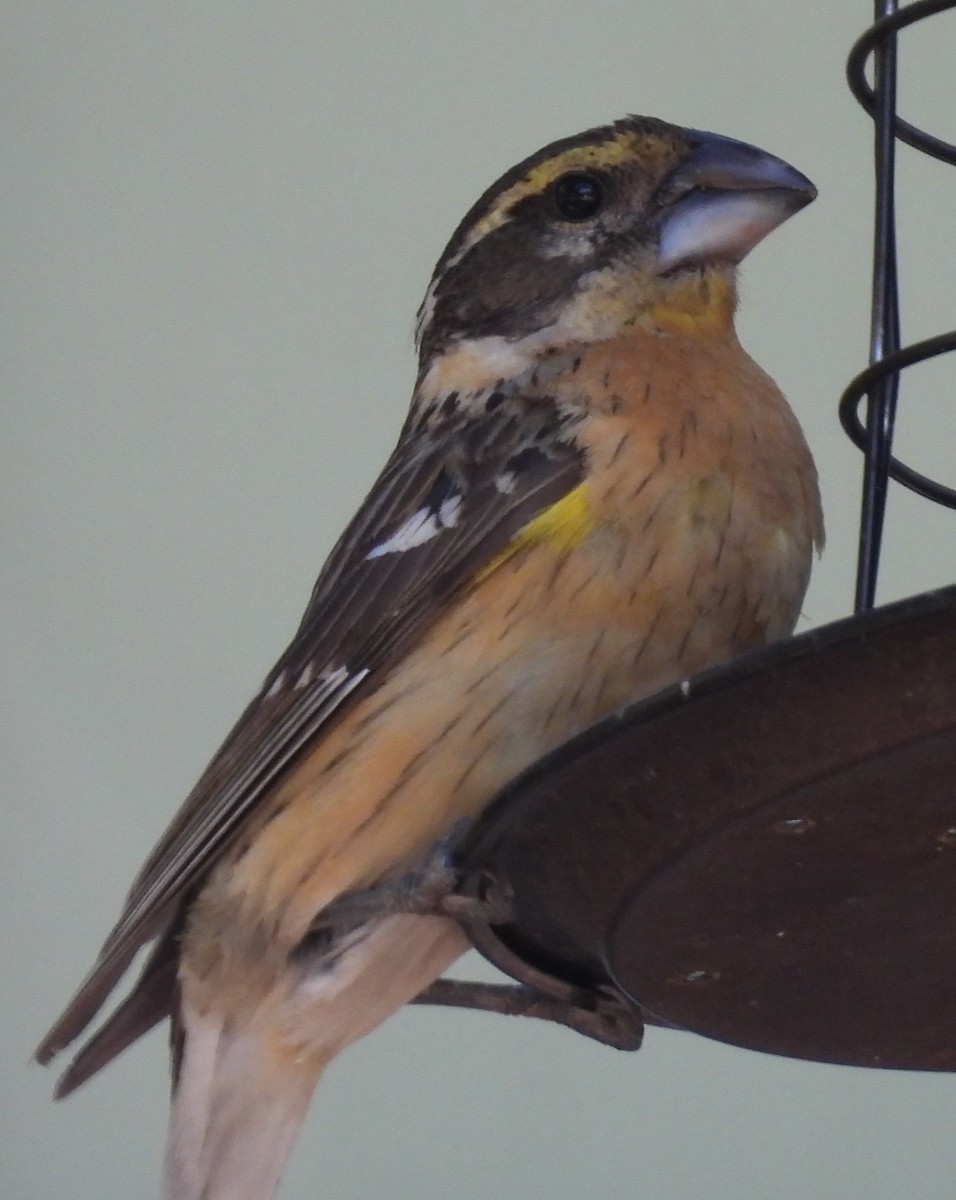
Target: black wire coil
879,383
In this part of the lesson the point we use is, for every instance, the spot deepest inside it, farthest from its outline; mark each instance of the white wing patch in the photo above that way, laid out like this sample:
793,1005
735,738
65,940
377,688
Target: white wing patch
276,686
421,527
329,680
448,512
505,482
305,676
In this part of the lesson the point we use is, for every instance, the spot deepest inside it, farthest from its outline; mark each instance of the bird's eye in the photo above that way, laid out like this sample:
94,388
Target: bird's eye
578,195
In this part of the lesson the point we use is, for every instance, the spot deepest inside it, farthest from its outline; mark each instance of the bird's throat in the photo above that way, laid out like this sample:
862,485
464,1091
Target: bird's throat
695,303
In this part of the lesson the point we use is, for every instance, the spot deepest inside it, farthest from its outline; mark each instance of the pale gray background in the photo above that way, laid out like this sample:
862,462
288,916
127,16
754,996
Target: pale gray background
219,220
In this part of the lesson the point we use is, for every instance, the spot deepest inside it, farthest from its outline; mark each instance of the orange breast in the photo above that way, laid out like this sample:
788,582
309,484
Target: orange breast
703,509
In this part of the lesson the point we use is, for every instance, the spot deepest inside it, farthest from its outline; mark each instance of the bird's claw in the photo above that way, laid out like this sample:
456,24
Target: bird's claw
604,1017
436,888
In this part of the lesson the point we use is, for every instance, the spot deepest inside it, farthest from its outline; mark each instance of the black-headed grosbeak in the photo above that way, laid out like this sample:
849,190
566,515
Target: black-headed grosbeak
596,493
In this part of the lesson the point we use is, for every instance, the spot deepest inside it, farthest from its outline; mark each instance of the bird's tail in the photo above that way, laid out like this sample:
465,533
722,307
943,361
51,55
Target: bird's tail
237,1108
243,1084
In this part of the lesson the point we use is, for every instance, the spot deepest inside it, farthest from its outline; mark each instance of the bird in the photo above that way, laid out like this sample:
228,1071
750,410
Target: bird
596,493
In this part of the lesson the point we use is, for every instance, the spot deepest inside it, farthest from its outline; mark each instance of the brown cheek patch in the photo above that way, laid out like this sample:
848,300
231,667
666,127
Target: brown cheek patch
505,285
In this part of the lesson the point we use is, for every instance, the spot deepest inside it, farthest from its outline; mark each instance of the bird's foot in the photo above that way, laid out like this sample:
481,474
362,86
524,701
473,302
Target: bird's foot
603,1016
437,887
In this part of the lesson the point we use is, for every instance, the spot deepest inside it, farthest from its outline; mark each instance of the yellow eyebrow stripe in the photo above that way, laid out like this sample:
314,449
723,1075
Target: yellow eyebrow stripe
561,528
609,153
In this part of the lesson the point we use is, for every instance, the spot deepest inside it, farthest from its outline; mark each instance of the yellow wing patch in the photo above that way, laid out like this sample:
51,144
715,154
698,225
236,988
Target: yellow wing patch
561,528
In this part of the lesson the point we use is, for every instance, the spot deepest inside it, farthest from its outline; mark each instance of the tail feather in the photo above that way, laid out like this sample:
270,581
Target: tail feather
245,1080
237,1109
151,1000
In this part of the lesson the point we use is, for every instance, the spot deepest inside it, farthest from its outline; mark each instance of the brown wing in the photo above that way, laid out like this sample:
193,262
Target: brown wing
450,498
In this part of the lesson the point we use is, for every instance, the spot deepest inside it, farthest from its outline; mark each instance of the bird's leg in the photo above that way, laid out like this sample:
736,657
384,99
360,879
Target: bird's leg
437,887
603,1016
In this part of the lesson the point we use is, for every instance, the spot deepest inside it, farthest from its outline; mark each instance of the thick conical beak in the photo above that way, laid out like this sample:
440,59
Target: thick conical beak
723,199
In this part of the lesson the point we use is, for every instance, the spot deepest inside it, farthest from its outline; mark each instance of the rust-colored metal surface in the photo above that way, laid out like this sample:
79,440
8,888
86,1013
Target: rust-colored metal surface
766,856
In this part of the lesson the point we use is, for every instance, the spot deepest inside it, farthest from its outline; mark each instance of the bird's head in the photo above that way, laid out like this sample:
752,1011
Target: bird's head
602,230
